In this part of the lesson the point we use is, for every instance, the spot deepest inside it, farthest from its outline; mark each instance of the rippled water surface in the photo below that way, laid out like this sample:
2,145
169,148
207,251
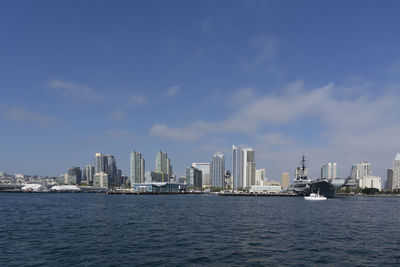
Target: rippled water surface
131,230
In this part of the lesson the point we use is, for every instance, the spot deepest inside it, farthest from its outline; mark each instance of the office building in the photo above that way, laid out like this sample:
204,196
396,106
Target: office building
100,179
89,172
396,173
260,176
204,167
76,171
111,169
217,170
100,163
163,164
369,181
330,171
137,168
243,167
285,180
389,180
193,177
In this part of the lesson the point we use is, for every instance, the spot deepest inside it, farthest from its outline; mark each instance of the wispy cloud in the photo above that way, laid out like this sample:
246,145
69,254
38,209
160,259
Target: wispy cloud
76,90
172,91
136,100
262,50
22,115
120,134
117,115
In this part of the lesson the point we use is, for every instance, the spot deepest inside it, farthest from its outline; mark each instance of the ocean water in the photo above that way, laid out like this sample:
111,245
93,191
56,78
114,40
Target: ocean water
196,230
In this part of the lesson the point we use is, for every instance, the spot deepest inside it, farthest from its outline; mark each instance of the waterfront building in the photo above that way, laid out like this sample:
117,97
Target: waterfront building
330,171
89,172
285,180
369,181
260,176
396,173
76,171
243,167
156,187
389,180
137,167
193,177
265,189
204,167
100,179
163,163
217,170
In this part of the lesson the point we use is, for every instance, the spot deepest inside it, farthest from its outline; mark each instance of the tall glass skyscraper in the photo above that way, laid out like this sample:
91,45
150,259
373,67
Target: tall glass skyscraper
330,171
243,167
163,163
396,173
137,168
217,170
204,167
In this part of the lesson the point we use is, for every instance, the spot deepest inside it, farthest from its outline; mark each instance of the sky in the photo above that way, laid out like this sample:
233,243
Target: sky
319,78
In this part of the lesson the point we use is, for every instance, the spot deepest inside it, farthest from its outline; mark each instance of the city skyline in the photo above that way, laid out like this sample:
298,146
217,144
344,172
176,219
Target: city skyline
196,80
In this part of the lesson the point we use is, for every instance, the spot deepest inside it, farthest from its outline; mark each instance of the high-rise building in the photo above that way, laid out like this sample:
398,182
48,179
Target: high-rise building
107,164
111,169
100,163
243,167
353,173
396,173
260,176
235,168
204,167
363,169
163,164
217,170
100,179
330,171
285,180
89,172
76,171
137,166
389,180
193,177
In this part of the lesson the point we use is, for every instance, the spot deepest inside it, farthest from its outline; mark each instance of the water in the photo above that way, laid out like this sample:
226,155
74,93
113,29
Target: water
196,230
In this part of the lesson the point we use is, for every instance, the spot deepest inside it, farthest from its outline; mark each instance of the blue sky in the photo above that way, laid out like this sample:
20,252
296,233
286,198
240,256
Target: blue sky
194,77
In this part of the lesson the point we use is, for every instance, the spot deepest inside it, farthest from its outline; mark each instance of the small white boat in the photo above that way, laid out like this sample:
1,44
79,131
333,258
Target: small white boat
314,196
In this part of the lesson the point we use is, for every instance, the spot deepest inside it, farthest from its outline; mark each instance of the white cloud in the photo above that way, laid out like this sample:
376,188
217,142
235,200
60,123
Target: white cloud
363,127
76,90
172,91
22,115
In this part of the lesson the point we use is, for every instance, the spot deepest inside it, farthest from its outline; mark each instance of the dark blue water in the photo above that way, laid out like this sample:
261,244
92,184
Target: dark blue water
117,230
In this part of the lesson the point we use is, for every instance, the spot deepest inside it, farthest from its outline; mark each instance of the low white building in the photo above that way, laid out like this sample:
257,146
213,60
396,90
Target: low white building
100,179
369,181
265,188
